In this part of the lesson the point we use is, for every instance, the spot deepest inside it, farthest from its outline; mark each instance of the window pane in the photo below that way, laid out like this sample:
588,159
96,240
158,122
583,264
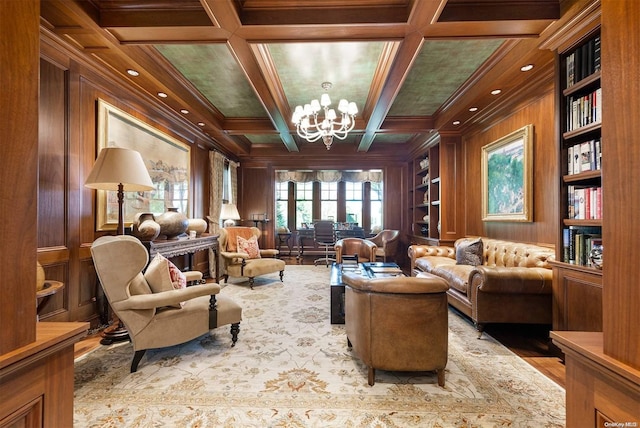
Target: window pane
282,204
328,200
354,212
329,210
376,215
304,203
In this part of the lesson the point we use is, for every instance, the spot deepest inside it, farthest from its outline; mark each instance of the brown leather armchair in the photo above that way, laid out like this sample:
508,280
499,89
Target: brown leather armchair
387,243
398,323
365,250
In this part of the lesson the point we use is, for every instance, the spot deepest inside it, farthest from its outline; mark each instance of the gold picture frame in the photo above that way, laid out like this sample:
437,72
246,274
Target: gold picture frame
507,177
167,160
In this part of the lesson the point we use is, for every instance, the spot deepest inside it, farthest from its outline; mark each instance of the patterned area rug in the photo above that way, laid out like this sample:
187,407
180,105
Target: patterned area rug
292,368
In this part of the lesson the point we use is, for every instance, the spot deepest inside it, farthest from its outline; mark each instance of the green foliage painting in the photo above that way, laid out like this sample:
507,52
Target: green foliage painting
506,177
505,180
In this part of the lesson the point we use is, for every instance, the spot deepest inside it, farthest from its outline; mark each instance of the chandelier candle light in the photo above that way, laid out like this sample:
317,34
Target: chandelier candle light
309,128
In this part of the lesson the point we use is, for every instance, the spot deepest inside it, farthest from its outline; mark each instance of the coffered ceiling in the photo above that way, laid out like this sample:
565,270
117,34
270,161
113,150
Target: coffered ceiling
241,66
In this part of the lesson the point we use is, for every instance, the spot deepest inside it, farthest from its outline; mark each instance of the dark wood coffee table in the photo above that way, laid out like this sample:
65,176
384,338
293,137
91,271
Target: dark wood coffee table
369,270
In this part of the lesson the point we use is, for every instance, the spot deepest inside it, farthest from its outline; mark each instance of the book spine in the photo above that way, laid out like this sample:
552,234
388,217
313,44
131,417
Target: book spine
596,53
572,244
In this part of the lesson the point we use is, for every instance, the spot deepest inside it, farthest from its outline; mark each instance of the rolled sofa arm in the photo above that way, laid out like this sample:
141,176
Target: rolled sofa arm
396,285
511,280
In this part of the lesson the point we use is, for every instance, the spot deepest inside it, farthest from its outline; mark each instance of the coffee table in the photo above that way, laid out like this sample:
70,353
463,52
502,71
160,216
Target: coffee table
368,270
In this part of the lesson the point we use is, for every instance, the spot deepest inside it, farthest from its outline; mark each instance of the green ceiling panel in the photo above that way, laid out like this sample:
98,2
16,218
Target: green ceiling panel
349,66
215,73
392,138
441,67
263,138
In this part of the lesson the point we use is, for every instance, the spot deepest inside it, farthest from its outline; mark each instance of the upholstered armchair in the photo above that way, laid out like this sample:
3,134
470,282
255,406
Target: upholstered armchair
397,323
241,255
155,313
387,242
364,249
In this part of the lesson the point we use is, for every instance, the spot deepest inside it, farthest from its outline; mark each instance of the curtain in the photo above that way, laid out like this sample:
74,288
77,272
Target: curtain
329,176
216,171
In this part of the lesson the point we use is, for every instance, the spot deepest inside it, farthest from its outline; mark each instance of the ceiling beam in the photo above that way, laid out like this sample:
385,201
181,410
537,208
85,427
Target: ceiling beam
497,10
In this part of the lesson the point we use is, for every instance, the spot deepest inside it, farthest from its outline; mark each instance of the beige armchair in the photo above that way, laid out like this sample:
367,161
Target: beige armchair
157,319
398,323
365,250
250,261
387,242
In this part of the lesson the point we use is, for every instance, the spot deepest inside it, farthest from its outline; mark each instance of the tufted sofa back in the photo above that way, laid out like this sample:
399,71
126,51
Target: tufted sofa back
497,252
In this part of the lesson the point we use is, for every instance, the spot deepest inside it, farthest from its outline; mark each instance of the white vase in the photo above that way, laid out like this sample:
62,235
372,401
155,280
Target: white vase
197,225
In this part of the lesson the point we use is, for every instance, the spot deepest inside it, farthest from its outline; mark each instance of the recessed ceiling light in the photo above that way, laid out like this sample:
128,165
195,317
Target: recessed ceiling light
473,109
526,67
133,73
456,122
496,91
184,111
162,95
200,123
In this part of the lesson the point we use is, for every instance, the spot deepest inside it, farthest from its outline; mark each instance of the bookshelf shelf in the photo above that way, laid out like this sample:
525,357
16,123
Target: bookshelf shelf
582,176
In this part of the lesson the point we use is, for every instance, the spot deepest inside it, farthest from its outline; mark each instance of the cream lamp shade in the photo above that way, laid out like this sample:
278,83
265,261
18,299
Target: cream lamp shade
116,169
229,213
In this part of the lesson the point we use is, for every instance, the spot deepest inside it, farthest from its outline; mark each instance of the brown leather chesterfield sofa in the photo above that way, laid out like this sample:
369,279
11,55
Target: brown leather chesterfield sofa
510,284
397,323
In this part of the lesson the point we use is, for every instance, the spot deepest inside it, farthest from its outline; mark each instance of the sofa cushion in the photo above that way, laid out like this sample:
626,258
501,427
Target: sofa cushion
160,278
469,251
456,275
429,263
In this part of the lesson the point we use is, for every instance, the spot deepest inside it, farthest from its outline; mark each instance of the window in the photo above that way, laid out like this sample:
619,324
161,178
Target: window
329,201
282,204
376,206
226,184
353,198
304,203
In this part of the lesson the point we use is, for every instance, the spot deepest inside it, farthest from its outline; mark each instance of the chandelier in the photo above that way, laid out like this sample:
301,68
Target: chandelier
312,129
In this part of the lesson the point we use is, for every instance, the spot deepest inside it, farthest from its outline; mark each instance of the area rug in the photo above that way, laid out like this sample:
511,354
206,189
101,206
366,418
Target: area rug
292,368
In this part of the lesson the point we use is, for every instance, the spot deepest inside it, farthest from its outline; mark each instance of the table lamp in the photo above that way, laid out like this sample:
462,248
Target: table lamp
229,213
116,169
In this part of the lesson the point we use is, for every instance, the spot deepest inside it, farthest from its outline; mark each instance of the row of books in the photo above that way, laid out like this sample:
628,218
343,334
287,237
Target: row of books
585,203
585,156
583,62
578,242
584,110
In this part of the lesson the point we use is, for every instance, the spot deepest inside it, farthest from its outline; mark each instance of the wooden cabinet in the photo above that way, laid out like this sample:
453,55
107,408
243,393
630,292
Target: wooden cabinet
577,277
436,209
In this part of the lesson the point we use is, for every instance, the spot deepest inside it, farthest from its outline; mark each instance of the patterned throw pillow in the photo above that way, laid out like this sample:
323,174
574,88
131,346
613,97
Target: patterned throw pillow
469,252
249,246
162,275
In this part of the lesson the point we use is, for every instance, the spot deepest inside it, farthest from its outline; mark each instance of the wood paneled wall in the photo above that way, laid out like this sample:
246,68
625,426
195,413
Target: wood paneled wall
69,91
543,229
18,206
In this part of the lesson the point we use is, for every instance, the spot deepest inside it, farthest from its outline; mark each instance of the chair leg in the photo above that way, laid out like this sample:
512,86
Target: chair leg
281,276
235,329
136,359
251,282
440,377
225,277
372,376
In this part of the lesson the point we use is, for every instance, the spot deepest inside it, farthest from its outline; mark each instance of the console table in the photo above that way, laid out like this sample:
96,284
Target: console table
185,246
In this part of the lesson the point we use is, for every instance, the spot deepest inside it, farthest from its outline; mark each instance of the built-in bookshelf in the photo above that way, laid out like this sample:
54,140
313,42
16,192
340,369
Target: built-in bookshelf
577,271
426,196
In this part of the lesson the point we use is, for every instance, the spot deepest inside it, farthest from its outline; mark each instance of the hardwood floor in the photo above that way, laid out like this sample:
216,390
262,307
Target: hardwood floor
529,342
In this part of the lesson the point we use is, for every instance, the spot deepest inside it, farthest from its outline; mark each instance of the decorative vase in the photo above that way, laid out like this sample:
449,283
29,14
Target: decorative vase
40,277
595,256
424,230
172,223
145,227
197,225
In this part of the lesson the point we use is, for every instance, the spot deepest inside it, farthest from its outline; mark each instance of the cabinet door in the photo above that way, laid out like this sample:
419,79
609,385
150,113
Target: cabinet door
577,303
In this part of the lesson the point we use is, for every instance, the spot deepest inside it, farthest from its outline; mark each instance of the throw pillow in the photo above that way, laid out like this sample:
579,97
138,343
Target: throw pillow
249,246
160,278
469,252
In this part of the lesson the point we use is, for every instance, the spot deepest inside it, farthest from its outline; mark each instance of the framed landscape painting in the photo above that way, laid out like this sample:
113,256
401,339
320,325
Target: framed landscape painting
166,159
507,177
